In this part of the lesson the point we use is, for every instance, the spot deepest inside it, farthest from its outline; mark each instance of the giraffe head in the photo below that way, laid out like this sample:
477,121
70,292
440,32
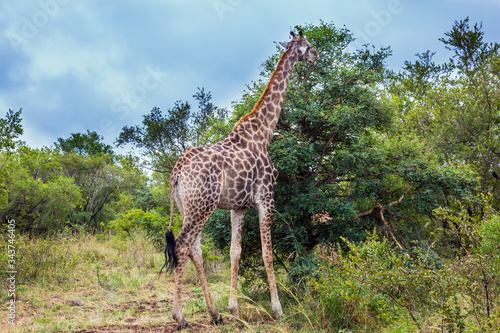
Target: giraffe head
303,48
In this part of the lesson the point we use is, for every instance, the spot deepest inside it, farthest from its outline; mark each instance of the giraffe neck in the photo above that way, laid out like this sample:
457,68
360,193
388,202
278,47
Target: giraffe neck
259,124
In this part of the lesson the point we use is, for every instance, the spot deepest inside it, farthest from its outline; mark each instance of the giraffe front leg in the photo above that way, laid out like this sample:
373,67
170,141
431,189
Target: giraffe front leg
265,220
237,219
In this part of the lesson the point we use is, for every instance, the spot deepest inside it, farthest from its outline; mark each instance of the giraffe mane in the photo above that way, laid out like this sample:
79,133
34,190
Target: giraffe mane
268,87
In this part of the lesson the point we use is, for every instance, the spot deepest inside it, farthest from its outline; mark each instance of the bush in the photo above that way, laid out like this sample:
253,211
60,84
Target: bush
475,270
342,302
46,260
374,285
151,222
37,193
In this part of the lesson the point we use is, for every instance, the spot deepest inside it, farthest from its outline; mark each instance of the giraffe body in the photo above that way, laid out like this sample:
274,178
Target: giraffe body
235,173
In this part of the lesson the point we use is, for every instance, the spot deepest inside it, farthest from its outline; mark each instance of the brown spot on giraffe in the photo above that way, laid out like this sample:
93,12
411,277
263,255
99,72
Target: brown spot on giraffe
235,173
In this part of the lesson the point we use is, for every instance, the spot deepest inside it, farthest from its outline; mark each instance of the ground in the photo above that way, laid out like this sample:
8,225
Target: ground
112,285
85,309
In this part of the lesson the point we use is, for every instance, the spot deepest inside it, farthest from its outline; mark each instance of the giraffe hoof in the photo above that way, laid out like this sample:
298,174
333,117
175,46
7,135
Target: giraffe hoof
277,311
234,314
182,326
217,320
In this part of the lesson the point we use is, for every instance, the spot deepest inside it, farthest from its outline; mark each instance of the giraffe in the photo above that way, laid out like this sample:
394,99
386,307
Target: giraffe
235,173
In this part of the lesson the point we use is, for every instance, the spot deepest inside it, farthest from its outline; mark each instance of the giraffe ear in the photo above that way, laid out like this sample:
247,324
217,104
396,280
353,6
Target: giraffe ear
285,44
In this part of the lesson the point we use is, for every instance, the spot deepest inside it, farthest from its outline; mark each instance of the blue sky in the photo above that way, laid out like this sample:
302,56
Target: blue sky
74,65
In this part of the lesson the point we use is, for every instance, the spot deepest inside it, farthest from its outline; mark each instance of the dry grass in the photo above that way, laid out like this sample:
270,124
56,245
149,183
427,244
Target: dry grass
113,286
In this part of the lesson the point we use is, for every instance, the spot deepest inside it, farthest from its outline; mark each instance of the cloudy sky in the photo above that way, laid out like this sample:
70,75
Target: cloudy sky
74,65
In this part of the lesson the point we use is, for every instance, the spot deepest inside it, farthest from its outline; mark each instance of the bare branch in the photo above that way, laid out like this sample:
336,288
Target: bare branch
323,153
381,208
389,227
400,198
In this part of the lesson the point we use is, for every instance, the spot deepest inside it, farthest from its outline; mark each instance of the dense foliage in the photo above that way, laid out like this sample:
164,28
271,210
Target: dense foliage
454,107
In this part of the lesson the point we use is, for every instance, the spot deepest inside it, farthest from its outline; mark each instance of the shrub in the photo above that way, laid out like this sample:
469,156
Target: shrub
478,260
47,260
151,222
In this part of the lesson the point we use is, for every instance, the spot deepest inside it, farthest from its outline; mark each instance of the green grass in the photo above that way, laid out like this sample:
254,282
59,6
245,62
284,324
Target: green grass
107,283
88,283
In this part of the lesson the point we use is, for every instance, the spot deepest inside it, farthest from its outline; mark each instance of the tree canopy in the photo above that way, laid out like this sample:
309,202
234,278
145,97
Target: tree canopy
10,129
84,144
163,137
454,107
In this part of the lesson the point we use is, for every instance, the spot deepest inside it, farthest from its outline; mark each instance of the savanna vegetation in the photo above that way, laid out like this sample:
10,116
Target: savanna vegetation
387,204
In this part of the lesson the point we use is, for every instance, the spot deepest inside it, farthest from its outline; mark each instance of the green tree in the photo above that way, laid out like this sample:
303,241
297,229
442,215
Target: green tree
101,183
84,144
453,107
10,129
163,137
102,177
40,197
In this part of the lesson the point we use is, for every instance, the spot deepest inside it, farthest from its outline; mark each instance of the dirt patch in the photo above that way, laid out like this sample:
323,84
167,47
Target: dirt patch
164,328
125,328
142,306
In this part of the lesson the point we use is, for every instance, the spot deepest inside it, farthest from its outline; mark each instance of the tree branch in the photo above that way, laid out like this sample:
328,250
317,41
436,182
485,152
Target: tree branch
389,227
401,198
382,217
323,153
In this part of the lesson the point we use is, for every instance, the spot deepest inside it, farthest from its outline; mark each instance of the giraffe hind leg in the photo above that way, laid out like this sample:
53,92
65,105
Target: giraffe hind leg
188,244
196,256
179,273
197,206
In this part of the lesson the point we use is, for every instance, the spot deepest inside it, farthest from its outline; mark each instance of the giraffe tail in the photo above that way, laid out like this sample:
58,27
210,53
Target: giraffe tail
169,252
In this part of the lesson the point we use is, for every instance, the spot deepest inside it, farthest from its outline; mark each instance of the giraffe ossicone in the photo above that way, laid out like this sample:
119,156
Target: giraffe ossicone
236,174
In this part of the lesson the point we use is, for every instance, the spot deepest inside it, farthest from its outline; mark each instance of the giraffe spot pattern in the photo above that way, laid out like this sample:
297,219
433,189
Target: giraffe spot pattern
235,173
